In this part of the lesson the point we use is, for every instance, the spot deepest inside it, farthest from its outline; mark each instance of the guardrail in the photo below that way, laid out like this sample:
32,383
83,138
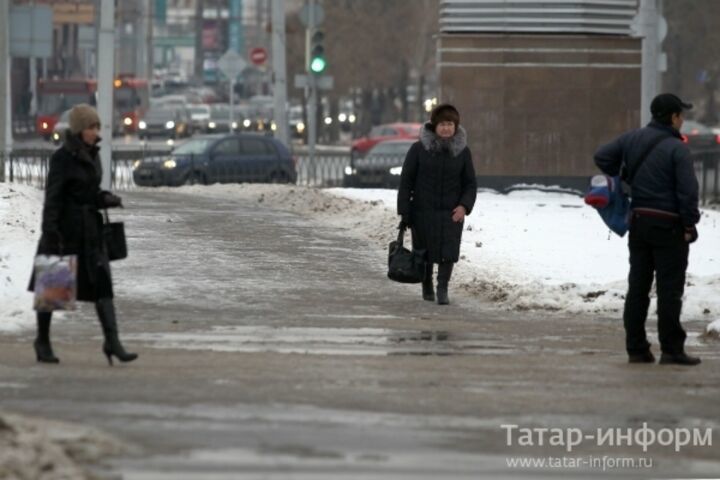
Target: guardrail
707,170
324,170
23,126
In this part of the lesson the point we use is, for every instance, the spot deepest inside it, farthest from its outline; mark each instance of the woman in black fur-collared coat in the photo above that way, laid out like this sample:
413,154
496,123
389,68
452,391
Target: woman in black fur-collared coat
72,224
437,190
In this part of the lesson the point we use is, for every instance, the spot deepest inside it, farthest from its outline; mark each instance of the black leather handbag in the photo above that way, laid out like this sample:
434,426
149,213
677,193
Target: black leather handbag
114,237
405,266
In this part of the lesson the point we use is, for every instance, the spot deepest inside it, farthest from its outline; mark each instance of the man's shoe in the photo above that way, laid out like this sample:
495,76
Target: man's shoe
645,357
678,359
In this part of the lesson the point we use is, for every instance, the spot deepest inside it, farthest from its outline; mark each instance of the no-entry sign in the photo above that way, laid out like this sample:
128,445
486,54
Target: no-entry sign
258,55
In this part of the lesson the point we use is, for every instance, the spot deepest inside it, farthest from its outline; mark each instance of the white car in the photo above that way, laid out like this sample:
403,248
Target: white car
199,115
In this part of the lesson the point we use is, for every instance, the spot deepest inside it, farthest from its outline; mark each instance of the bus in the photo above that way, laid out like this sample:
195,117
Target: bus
130,101
56,96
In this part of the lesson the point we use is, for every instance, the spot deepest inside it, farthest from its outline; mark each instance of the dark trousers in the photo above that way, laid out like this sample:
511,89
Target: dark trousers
657,245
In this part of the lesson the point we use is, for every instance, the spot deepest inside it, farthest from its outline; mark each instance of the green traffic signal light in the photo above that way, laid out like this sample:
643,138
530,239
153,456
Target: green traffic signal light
317,52
318,65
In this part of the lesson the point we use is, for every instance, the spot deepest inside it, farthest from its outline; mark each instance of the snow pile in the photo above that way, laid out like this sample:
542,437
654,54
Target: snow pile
49,450
20,218
713,330
527,250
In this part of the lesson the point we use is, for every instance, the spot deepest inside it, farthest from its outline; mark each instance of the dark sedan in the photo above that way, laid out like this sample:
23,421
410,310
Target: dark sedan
380,168
220,159
699,136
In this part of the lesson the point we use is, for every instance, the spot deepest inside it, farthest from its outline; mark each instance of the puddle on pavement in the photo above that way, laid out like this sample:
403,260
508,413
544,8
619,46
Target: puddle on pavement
330,341
11,385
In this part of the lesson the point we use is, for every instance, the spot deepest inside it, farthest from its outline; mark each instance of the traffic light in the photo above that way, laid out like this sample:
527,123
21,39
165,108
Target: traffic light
317,53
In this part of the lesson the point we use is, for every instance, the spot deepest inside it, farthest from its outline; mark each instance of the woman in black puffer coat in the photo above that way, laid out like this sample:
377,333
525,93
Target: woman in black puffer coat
72,224
437,190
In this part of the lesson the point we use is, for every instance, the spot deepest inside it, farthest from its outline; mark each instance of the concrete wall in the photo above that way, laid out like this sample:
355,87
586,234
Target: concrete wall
537,106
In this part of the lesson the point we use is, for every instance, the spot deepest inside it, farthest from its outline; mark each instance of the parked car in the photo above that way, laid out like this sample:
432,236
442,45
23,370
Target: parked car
380,168
381,133
165,122
220,159
699,136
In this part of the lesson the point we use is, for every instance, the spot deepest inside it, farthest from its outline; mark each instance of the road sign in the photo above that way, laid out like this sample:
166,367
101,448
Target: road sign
323,82
231,64
318,15
258,55
31,30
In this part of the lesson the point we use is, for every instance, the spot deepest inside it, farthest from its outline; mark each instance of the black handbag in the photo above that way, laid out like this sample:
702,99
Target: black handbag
114,237
405,266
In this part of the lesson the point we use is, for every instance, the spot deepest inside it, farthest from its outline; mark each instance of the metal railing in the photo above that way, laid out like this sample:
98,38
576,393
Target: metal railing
30,166
707,170
23,126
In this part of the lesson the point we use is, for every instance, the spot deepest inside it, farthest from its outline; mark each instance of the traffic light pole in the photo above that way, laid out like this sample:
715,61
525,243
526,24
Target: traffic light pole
312,123
312,114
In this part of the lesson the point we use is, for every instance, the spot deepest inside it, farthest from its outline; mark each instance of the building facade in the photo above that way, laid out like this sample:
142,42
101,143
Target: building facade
540,84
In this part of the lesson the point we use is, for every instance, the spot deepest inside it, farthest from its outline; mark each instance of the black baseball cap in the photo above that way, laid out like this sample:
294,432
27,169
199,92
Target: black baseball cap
667,104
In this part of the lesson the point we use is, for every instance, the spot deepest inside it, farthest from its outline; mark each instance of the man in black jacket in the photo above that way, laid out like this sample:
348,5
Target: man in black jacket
664,212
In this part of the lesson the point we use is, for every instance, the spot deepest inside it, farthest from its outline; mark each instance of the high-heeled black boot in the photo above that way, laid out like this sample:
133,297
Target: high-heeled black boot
111,346
443,279
43,348
428,292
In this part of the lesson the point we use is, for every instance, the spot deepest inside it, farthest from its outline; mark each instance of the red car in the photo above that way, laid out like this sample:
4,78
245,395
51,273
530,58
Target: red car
380,133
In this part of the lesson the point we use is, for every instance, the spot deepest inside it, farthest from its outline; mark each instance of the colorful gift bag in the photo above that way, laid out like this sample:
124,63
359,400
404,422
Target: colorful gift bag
55,282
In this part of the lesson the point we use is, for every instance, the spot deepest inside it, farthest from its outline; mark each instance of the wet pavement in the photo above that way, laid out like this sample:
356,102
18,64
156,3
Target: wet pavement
275,347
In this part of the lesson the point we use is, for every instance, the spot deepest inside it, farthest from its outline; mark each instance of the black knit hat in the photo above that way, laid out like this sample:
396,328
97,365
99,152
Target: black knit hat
445,113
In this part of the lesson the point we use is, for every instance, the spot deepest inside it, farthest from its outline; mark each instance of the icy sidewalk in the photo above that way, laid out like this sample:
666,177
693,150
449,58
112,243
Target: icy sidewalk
528,250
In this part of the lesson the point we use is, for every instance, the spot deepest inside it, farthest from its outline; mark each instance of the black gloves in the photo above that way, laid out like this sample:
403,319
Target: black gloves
109,200
404,221
692,233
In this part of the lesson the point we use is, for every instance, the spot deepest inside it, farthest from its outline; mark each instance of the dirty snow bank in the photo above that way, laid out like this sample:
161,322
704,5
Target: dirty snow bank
527,250
20,212
34,449
713,330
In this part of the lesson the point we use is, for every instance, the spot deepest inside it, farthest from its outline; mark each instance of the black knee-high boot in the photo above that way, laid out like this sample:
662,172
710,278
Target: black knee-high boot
43,347
443,279
428,292
112,346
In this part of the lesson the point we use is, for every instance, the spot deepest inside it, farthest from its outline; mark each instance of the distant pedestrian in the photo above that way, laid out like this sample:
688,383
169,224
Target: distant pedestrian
664,212
437,190
72,224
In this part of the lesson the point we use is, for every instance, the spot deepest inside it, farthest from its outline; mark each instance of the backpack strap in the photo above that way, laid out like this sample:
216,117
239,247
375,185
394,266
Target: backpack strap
631,172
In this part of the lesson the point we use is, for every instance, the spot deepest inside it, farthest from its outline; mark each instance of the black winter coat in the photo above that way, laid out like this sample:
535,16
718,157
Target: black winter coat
437,176
71,221
665,181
